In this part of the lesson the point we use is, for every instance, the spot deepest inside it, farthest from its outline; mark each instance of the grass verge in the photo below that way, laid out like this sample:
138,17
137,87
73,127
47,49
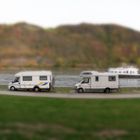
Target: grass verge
71,90
63,90
129,90
28,118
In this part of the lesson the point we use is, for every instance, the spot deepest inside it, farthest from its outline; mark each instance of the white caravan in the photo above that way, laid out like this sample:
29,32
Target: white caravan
93,81
32,80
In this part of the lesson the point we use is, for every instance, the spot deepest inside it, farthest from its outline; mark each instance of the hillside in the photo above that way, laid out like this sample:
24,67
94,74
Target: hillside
80,46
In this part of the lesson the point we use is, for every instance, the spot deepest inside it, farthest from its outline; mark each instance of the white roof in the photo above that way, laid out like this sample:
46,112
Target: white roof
31,73
89,73
105,73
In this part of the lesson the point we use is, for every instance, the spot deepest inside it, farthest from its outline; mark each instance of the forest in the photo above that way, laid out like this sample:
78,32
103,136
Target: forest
23,45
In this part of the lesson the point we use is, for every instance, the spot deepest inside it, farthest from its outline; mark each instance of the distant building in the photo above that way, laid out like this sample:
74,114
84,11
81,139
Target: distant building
129,76
124,70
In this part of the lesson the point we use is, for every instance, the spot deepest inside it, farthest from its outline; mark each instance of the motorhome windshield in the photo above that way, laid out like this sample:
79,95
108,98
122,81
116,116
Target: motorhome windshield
85,80
16,80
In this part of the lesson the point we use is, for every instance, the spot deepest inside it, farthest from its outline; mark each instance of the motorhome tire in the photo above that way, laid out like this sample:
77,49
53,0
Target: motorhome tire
50,88
80,90
36,89
12,88
107,90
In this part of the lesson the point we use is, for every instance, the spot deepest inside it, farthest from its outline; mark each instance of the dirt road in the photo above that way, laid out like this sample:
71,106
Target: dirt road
74,95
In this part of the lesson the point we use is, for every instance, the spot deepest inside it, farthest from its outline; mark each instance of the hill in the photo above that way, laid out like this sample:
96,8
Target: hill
24,45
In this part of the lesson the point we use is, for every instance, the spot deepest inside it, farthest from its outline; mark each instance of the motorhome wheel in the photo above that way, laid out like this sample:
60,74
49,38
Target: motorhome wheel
12,88
80,90
36,89
107,90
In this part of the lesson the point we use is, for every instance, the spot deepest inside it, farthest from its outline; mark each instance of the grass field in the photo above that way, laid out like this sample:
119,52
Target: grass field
34,118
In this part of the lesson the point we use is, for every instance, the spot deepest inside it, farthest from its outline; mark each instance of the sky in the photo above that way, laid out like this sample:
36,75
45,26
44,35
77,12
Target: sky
52,13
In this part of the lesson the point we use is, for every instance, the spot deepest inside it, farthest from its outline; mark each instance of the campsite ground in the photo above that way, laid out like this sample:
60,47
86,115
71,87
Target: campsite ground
36,116
24,118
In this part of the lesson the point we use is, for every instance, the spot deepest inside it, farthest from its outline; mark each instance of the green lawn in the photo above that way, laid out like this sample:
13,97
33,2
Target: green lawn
37,118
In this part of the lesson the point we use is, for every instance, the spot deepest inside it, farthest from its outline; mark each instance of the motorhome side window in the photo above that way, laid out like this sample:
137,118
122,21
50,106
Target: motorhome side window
27,78
85,80
112,78
43,78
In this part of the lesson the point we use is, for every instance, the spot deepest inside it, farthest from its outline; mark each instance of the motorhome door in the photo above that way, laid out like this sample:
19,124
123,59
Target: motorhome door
86,83
16,82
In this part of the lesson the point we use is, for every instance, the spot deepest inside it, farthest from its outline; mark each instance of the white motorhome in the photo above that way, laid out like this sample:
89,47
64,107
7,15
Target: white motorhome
93,81
32,80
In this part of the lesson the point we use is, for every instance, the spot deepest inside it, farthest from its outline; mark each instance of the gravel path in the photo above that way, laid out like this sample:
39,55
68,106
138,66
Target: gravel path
74,95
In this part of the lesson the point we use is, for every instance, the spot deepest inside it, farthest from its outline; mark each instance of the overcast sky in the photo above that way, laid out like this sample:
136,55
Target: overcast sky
51,13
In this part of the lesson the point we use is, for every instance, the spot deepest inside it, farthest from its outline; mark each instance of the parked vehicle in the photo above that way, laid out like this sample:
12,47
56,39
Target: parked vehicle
32,80
93,81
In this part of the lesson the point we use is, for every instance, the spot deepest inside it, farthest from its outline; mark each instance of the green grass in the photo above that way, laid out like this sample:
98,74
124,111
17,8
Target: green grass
35,118
3,87
129,90
63,90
